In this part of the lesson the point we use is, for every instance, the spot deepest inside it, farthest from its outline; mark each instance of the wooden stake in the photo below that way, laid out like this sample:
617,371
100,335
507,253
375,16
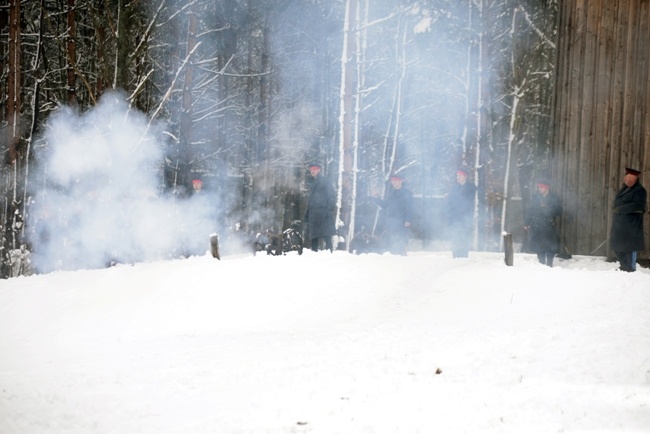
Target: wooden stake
507,246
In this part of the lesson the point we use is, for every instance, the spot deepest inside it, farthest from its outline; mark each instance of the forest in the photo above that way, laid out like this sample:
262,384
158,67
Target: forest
108,105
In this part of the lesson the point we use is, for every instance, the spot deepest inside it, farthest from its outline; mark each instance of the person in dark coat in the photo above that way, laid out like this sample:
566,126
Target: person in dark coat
460,206
197,186
321,210
626,237
397,216
539,221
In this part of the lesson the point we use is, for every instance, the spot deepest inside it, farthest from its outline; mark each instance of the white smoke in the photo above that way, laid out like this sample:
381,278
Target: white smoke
98,197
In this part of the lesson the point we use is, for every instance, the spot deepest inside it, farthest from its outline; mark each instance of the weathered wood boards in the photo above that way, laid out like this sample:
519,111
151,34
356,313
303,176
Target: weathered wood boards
601,113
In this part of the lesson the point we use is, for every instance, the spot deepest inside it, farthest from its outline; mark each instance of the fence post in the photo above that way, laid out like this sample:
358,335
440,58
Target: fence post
214,246
507,246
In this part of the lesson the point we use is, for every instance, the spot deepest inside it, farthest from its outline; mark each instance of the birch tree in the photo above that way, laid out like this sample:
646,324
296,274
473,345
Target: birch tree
518,105
186,121
346,116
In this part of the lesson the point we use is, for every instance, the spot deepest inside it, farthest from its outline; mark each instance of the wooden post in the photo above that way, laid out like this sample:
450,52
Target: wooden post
214,246
507,247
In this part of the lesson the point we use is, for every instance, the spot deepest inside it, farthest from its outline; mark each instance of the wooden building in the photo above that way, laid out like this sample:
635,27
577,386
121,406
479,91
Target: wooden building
601,114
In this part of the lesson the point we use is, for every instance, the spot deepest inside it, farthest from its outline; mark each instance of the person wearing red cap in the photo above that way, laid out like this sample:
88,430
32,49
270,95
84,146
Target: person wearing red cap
460,205
626,237
321,210
539,221
202,209
197,185
397,216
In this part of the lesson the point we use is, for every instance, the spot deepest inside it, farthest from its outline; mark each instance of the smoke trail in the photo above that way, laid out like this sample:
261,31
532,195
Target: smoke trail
99,197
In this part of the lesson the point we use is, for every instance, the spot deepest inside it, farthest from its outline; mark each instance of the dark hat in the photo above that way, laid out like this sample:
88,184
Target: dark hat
632,171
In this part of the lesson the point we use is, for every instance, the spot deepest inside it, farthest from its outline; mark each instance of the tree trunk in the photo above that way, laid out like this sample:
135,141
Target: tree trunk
481,119
121,75
250,162
4,25
361,43
102,81
72,54
185,133
34,72
511,139
10,213
346,169
14,82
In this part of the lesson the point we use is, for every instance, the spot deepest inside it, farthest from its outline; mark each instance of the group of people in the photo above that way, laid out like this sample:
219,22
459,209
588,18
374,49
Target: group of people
545,207
397,212
626,234
320,215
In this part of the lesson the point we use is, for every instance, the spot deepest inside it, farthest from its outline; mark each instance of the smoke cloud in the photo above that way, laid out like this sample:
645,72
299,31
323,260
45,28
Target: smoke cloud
98,197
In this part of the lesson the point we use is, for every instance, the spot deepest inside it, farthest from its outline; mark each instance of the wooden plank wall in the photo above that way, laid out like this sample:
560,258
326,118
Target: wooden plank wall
601,114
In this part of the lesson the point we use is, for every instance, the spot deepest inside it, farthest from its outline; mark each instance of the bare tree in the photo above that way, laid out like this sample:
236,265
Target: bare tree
11,205
14,83
346,116
250,90
72,54
185,132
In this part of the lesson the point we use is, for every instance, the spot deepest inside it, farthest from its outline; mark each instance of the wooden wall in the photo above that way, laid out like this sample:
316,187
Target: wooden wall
601,114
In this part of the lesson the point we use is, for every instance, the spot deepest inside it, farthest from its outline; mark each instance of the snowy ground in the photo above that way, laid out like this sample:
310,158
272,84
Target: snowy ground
328,343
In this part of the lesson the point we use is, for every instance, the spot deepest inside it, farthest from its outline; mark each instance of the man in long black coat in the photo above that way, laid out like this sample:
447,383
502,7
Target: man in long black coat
460,206
539,220
321,210
626,237
397,216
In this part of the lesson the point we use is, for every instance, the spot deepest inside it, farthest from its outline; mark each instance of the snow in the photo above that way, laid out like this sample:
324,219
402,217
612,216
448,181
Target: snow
328,343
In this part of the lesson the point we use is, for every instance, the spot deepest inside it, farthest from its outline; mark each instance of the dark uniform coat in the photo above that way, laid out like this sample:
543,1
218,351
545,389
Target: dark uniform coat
397,210
627,222
460,217
541,219
461,205
321,209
